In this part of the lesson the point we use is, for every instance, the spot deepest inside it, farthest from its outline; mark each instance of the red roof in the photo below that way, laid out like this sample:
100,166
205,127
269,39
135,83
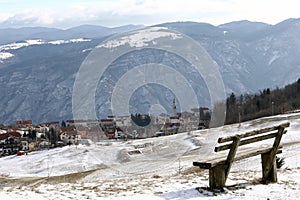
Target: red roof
6,135
15,134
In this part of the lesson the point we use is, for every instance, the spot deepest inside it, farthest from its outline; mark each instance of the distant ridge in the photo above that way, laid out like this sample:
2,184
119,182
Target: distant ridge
37,80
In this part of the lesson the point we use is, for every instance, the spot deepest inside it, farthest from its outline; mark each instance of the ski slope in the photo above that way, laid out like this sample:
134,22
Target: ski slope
152,168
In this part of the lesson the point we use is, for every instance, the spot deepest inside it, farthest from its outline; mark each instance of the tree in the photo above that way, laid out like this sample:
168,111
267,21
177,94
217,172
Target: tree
232,99
232,110
52,136
32,134
63,124
260,104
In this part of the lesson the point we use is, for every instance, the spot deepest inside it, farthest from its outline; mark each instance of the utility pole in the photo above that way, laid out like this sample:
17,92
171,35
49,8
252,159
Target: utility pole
239,115
272,107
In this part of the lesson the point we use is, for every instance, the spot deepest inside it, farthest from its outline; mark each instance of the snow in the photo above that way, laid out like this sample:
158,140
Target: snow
152,168
58,42
80,40
13,46
4,49
18,45
276,55
87,50
141,38
5,55
35,42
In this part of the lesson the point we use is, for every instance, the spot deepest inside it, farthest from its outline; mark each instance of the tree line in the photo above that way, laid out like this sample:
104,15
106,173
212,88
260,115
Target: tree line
264,103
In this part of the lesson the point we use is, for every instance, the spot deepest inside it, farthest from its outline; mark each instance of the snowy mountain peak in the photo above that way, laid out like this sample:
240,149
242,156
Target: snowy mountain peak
141,38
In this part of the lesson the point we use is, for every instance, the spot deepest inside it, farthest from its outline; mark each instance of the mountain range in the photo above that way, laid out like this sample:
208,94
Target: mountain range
38,66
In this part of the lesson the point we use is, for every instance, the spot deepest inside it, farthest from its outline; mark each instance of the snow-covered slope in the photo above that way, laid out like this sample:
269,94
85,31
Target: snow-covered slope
7,48
153,168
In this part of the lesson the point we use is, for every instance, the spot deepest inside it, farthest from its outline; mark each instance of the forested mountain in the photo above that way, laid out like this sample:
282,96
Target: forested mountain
267,102
38,66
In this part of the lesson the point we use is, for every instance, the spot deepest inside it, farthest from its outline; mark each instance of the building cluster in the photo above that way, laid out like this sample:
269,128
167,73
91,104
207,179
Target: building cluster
26,136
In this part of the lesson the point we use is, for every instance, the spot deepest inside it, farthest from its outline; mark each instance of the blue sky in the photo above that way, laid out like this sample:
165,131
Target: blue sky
69,13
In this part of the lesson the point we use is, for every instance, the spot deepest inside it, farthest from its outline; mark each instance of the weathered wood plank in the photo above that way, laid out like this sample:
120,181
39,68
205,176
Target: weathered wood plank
252,133
219,167
203,165
231,155
217,177
272,155
247,141
247,153
272,175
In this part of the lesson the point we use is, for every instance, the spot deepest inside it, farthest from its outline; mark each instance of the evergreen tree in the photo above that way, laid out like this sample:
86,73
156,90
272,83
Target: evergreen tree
63,124
264,103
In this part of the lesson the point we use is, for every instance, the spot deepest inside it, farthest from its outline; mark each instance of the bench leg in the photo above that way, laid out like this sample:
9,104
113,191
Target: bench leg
217,177
272,176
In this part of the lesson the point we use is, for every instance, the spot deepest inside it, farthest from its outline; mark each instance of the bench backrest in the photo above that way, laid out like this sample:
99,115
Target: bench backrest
252,136
219,167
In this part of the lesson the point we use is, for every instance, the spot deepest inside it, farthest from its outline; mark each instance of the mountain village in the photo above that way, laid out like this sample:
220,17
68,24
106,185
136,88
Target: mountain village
24,136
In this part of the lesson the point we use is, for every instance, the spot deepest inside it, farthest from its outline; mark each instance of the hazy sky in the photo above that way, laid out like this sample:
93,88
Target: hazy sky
69,13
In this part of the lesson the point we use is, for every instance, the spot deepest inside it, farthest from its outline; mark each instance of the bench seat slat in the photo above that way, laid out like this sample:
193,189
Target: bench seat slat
242,154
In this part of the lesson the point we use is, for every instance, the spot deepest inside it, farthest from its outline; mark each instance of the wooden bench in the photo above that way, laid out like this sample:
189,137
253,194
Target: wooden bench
219,167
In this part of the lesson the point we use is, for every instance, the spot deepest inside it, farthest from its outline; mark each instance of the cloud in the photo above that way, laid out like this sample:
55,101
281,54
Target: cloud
29,17
69,13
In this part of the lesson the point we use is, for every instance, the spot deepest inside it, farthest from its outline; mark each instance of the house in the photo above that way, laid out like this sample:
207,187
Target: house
108,126
69,135
24,144
23,123
84,123
44,144
10,143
